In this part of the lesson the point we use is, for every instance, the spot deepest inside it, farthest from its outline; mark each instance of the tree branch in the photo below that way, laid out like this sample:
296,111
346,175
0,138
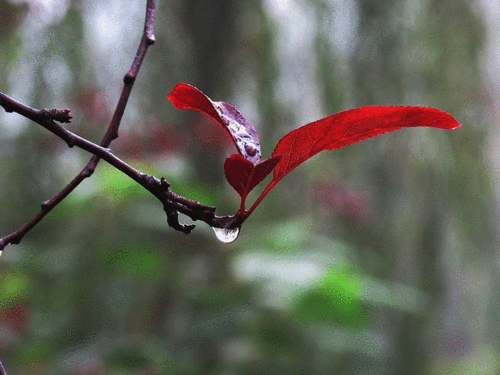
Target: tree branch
160,188
45,120
173,204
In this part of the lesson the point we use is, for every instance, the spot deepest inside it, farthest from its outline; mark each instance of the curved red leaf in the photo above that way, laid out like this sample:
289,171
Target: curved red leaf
243,175
239,129
345,128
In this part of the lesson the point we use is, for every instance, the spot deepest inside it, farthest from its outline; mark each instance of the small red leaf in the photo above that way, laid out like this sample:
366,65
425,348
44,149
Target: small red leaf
345,128
243,175
239,129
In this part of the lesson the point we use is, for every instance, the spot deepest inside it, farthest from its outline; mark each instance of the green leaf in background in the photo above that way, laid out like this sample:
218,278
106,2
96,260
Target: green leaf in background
335,300
117,186
111,186
14,285
141,264
136,261
120,188
33,355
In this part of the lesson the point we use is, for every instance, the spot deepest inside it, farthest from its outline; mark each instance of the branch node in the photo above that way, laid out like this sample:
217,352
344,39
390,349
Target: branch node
87,172
60,115
71,142
129,79
151,181
173,221
164,183
47,118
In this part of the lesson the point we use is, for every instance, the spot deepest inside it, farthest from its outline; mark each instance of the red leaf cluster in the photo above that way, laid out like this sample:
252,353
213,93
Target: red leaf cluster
244,171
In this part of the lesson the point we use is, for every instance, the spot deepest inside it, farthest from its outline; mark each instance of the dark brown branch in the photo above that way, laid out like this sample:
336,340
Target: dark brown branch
111,133
59,115
160,188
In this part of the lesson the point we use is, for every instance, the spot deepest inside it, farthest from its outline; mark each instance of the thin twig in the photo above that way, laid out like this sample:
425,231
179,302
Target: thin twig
173,204
2,369
111,133
160,188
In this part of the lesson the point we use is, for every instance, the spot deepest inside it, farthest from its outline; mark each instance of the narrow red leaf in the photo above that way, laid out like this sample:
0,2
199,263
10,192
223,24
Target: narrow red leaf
345,128
243,175
239,129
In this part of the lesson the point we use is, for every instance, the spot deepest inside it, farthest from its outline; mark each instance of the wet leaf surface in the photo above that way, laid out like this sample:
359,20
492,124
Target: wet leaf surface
239,129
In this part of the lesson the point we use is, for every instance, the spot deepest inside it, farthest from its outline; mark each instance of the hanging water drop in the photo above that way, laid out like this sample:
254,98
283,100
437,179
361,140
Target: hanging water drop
227,235
250,150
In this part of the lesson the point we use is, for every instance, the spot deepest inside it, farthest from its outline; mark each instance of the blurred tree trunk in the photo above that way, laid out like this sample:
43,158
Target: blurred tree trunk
416,53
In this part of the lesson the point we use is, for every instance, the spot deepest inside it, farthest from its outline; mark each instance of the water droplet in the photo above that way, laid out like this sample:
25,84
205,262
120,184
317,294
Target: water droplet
250,150
227,235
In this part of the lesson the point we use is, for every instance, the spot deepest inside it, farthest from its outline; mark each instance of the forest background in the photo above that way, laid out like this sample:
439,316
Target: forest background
380,258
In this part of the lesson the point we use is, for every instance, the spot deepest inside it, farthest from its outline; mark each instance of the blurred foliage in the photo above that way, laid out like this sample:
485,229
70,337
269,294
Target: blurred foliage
336,300
374,259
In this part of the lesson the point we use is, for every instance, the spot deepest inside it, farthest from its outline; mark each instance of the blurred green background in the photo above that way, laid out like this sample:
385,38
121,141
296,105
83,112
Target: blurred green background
380,258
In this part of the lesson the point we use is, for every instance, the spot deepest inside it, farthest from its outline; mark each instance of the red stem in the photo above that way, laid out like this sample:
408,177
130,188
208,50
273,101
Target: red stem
262,195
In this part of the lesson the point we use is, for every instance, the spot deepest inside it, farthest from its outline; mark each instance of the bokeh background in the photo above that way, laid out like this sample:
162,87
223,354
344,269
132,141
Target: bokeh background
380,258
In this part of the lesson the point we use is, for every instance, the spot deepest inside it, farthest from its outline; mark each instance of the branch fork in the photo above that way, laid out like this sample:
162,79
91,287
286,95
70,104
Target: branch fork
244,170
173,204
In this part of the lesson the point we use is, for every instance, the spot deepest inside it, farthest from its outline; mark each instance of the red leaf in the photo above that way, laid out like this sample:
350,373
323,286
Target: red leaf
345,128
243,175
342,129
239,129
